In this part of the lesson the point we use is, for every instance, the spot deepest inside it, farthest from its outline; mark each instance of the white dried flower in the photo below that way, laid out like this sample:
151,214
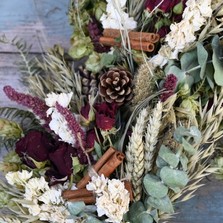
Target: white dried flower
112,199
58,123
51,196
63,99
18,177
98,184
116,17
35,187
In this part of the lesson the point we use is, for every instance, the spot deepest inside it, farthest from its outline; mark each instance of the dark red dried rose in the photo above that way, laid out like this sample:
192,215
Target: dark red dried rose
165,6
61,158
91,137
35,145
105,115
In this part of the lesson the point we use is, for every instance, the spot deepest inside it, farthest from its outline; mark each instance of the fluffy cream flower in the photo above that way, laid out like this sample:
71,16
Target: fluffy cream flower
18,178
116,17
63,99
112,199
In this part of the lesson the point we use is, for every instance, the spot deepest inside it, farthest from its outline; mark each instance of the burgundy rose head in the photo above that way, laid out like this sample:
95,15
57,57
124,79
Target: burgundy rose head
105,115
87,114
61,158
163,31
91,138
165,6
35,146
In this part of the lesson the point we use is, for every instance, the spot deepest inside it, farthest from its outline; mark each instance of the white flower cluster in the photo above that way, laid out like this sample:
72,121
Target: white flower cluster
41,200
195,15
116,17
112,199
58,123
182,34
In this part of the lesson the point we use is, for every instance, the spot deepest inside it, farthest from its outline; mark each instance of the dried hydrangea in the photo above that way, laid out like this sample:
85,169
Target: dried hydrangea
40,200
112,199
183,34
116,17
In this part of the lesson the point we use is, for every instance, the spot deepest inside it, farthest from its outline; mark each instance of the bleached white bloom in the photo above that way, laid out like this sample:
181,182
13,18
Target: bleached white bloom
63,99
18,177
51,196
58,123
112,199
34,209
98,184
116,17
35,187
54,214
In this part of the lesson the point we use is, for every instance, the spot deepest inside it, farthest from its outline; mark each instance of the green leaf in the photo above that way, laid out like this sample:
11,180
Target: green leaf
202,57
163,204
143,217
184,161
97,148
167,155
154,186
91,219
77,167
174,178
135,209
189,60
160,162
107,59
188,147
76,208
217,63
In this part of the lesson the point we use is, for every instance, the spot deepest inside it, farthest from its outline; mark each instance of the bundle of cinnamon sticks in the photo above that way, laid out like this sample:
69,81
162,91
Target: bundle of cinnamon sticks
106,165
138,40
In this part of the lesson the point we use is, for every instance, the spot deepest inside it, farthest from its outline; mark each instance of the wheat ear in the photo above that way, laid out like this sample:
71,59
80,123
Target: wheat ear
152,133
135,154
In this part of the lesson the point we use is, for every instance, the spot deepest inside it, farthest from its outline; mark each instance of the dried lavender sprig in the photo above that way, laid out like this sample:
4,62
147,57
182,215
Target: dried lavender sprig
37,105
72,123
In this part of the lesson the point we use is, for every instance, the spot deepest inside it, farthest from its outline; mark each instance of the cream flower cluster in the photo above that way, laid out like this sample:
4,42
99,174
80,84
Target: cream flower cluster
116,17
195,15
182,34
112,199
40,200
58,123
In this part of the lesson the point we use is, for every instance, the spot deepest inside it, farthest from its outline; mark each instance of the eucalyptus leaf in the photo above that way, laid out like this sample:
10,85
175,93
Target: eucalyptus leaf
174,178
188,147
217,63
184,161
107,59
163,204
160,162
154,186
143,217
167,155
189,60
195,133
202,56
76,208
91,219
135,209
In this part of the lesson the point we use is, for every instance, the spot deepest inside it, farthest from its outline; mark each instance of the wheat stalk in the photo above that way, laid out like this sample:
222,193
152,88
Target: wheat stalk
152,133
135,154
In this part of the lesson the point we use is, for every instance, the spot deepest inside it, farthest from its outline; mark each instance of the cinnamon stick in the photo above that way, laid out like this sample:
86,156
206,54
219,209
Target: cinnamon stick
83,182
109,41
136,45
86,200
138,36
79,193
144,46
109,167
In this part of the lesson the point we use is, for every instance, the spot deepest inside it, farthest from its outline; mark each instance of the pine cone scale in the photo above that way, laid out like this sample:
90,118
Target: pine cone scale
116,86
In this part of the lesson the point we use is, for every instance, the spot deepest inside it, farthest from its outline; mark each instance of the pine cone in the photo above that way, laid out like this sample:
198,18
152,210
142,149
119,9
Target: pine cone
116,86
95,31
88,81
